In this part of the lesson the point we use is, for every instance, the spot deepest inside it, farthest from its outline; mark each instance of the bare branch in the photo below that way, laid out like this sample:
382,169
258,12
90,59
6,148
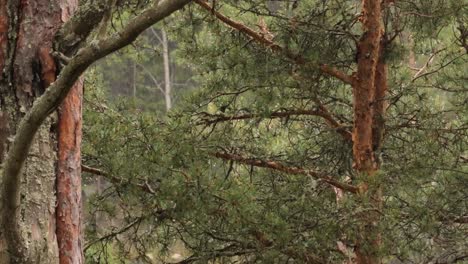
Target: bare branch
426,65
153,78
222,118
286,169
160,215
337,74
115,180
217,254
322,112
113,233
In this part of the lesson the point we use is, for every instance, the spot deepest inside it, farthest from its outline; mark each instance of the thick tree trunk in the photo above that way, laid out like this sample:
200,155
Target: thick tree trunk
27,29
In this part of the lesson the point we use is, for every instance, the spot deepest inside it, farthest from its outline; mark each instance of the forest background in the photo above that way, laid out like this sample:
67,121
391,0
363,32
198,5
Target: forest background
301,131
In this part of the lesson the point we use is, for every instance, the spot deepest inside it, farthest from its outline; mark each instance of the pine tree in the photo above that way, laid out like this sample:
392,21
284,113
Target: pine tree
312,138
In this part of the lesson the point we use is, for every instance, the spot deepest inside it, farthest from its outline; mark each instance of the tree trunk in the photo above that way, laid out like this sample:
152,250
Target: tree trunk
27,30
167,71
369,90
69,178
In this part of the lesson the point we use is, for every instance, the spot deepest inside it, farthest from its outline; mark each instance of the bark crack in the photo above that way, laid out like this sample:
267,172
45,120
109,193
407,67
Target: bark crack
13,11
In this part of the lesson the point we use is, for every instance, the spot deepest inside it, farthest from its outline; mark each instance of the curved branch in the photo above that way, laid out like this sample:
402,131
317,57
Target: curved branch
115,180
72,34
50,101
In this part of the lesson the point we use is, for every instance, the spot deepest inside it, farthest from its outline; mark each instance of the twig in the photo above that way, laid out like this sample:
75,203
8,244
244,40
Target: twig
144,186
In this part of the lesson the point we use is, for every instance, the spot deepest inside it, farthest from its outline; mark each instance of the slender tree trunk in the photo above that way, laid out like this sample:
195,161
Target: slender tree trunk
167,71
369,89
68,215
27,29
69,178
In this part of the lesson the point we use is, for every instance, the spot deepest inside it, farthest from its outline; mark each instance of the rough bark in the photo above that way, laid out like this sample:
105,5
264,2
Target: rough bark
380,103
26,32
134,81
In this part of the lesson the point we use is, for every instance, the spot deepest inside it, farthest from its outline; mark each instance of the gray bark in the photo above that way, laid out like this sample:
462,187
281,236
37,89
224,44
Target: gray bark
26,70
167,71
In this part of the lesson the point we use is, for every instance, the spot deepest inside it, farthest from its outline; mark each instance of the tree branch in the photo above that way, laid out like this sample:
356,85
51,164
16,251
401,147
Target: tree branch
260,38
334,72
240,27
73,34
274,165
217,254
160,215
425,66
143,186
113,233
333,123
50,101
322,112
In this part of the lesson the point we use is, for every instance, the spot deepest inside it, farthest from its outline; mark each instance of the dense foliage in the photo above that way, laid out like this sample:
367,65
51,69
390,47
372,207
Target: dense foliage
239,171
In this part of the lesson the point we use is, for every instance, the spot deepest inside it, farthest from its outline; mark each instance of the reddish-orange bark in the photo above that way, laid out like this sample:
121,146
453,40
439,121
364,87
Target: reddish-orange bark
380,102
69,225
69,178
48,69
369,90
364,86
